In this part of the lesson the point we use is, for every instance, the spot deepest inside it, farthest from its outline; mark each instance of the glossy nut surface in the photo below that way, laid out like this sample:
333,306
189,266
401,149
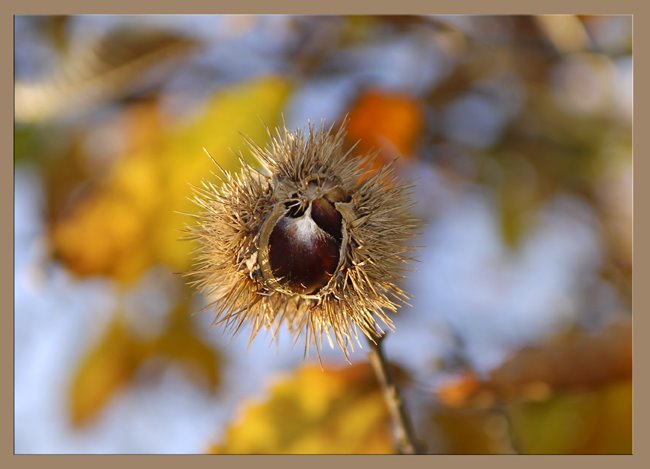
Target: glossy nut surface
304,248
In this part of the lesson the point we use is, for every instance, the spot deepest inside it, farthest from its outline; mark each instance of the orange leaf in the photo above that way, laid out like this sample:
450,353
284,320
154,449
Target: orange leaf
388,122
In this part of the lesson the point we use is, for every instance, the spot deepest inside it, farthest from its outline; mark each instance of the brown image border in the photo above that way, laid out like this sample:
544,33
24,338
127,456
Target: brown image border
9,8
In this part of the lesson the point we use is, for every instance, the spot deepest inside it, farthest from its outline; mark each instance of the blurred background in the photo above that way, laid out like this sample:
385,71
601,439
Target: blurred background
516,133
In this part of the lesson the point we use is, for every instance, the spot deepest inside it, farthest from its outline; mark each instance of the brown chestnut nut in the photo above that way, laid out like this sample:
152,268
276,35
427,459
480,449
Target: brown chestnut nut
304,249
327,218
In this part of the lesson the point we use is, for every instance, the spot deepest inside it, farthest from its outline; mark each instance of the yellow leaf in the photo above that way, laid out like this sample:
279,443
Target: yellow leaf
594,422
133,219
178,342
113,362
238,111
108,367
315,411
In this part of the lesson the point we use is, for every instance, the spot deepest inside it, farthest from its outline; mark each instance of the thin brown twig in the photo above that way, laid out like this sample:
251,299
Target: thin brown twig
510,434
404,434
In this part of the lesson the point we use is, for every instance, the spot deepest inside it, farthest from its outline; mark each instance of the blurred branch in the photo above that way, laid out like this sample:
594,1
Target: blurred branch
579,362
98,72
510,432
407,442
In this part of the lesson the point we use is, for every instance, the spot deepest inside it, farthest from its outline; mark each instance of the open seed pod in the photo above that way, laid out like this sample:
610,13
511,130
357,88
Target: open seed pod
308,241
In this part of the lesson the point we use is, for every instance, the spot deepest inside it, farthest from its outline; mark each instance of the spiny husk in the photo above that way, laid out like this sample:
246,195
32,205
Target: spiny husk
376,220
